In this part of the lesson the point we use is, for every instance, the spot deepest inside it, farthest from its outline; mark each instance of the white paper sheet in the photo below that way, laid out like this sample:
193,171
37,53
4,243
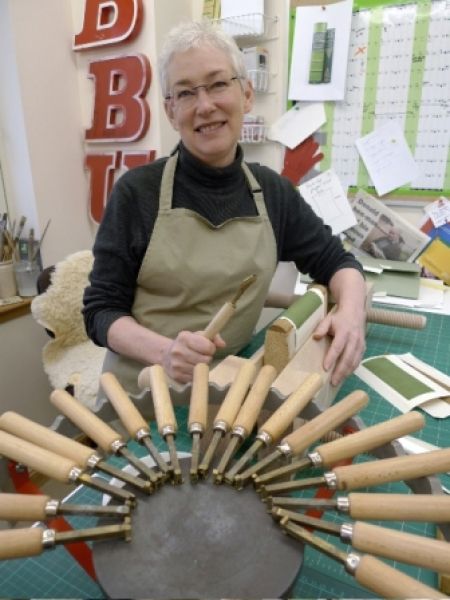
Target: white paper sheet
327,198
298,123
338,16
387,157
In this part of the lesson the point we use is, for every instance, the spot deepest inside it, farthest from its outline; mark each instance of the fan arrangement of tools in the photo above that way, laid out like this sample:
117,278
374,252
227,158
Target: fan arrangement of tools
64,459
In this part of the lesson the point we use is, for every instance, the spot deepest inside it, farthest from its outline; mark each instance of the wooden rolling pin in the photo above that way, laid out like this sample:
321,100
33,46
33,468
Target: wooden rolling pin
371,473
300,439
382,541
51,440
348,446
39,507
105,436
246,417
155,378
370,572
228,411
387,507
133,421
278,422
32,541
198,413
56,467
395,318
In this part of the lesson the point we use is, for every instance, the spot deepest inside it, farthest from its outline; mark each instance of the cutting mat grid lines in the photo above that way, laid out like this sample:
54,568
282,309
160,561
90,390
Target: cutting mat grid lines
55,574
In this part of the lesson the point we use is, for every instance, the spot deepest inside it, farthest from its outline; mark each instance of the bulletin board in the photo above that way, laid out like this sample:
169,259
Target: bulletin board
398,69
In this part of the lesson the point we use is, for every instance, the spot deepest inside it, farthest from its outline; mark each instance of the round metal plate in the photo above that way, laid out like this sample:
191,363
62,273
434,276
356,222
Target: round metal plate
199,541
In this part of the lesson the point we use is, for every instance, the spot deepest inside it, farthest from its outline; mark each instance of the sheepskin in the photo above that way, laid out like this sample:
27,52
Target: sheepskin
71,357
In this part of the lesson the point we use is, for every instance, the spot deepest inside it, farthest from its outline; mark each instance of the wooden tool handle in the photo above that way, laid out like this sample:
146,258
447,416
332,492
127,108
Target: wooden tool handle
19,543
198,407
388,582
165,416
300,439
396,318
369,438
277,424
39,459
400,507
45,438
23,507
235,396
376,472
404,547
82,417
219,320
255,399
124,407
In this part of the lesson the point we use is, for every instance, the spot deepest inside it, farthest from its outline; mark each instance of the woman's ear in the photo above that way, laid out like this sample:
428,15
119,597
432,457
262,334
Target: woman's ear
168,107
249,96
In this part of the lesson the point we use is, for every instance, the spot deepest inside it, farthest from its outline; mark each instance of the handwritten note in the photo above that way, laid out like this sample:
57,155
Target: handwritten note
327,198
387,158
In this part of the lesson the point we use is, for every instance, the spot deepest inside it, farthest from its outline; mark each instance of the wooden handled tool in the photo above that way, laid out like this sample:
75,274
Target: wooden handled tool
371,573
277,423
219,321
56,467
83,456
198,413
382,541
132,419
348,446
387,507
351,477
246,417
105,436
395,318
228,411
154,378
300,439
32,541
38,507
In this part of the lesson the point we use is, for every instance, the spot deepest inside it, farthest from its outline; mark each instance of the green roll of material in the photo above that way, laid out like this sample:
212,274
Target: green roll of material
303,308
317,53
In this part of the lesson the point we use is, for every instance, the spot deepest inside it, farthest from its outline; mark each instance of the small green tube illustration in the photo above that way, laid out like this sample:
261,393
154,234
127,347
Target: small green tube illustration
329,47
317,53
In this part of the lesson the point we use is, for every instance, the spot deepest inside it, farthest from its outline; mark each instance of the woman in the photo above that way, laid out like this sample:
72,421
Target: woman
180,234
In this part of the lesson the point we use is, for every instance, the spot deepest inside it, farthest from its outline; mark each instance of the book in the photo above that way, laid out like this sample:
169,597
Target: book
383,233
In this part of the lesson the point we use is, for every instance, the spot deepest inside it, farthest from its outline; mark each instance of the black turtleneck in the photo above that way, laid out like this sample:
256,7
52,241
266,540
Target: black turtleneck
217,194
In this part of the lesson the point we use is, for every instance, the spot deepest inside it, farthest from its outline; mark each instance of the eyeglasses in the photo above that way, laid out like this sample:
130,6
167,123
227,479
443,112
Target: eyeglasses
186,97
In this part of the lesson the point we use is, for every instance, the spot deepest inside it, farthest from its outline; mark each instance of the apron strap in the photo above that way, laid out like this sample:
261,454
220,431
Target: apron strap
165,195
256,190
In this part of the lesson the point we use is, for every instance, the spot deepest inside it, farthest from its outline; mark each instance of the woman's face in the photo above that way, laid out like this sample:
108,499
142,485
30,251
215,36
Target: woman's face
209,124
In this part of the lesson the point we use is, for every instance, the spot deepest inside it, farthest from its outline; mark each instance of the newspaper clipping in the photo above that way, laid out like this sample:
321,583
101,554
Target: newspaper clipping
382,233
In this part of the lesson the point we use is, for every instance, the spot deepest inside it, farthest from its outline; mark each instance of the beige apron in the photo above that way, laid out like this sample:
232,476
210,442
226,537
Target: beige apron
191,268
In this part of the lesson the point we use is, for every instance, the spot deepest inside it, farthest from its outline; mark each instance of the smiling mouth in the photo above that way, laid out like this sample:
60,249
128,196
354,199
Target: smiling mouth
210,128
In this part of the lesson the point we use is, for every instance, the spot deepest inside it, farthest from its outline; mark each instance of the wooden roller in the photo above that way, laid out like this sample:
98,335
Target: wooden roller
23,507
300,439
198,406
85,419
280,420
396,318
400,468
400,507
399,545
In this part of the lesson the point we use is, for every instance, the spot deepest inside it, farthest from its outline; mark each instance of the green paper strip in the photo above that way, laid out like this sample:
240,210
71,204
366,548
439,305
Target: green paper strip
303,308
327,129
403,383
371,84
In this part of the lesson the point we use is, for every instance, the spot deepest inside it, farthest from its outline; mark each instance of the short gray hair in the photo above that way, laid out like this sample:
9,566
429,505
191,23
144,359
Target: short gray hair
193,34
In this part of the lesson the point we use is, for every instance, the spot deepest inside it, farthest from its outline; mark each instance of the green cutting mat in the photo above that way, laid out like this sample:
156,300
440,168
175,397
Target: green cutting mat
55,574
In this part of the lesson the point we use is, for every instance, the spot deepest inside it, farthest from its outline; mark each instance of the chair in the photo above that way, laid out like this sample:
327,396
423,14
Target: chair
70,358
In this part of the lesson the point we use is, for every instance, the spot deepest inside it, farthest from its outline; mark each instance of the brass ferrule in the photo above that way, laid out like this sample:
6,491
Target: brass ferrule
352,563
141,434
265,438
346,532
168,430
74,473
343,504
48,538
221,426
93,461
239,432
331,480
196,428
315,459
285,449
117,445
51,508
